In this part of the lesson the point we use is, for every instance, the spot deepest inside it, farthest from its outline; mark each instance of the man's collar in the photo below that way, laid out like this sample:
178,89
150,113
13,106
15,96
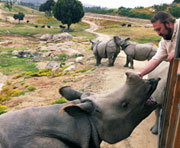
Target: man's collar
176,26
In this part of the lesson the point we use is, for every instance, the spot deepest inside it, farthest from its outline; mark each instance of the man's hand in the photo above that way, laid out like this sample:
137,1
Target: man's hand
140,75
171,56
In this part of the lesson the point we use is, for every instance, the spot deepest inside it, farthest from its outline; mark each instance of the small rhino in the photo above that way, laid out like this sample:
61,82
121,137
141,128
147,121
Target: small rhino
162,72
136,51
105,49
83,122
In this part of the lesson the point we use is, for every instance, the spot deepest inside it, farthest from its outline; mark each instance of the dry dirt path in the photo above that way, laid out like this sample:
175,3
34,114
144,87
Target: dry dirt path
112,77
93,28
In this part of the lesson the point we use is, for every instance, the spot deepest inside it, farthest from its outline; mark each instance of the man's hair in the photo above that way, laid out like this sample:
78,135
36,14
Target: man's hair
163,17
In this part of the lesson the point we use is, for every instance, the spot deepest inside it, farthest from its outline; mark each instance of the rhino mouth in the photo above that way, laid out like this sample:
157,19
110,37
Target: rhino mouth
150,102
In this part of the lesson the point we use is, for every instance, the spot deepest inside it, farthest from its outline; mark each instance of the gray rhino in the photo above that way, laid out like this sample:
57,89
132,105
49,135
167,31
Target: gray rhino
83,122
105,49
162,72
136,51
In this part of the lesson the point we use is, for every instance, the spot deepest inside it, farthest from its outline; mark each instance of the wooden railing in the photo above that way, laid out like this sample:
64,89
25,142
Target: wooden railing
170,130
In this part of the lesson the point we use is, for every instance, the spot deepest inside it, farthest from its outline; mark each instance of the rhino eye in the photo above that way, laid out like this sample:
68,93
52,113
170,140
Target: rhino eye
125,104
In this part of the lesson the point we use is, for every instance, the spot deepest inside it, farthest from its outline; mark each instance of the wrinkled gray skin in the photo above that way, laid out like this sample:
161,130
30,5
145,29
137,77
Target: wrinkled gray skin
162,72
84,121
105,49
136,51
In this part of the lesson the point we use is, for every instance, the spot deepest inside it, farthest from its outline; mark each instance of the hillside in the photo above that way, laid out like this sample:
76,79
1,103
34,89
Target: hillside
29,84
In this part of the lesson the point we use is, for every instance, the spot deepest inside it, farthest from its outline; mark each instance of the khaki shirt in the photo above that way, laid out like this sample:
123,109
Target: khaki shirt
167,46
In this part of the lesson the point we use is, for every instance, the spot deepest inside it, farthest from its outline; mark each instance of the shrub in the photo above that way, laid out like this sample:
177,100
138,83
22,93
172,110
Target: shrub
60,101
3,109
6,93
31,88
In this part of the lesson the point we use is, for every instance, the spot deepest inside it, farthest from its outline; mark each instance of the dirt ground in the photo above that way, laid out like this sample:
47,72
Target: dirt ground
99,80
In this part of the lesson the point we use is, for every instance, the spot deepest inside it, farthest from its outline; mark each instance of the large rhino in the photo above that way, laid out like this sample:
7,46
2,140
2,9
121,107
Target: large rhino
136,51
84,121
162,72
105,49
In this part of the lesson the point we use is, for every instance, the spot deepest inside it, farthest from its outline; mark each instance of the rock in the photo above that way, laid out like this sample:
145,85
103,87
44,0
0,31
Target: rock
52,65
46,37
79,59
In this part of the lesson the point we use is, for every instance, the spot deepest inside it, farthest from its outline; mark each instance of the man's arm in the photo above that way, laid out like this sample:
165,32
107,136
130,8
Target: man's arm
171,56
152,64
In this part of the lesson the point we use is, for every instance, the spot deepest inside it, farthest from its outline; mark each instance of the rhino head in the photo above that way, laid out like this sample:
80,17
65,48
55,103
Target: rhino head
115,114
121,42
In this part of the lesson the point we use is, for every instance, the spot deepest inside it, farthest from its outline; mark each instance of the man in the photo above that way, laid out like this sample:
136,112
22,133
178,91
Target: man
167,27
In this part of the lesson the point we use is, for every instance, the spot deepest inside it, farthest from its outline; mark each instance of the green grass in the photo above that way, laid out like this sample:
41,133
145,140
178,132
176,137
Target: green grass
147,39
18,8
11,65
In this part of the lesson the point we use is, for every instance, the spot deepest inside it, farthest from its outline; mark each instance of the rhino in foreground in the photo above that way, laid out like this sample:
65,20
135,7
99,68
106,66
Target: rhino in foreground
84,122
136,51
105,49
162,72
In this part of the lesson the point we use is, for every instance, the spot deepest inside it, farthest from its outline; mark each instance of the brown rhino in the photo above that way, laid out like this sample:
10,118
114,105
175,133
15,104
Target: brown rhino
136,51
84,122
105,49
162,72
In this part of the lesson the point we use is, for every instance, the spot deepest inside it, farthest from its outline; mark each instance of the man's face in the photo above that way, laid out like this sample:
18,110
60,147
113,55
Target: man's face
163,29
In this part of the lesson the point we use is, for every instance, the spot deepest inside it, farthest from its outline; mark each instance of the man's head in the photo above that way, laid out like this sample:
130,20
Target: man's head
163,24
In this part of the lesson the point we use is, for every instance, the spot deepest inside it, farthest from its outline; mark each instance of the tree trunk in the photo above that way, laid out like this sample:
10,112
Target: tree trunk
69,26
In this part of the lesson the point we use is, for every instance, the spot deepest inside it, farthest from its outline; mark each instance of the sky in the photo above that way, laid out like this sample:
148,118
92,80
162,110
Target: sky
125,3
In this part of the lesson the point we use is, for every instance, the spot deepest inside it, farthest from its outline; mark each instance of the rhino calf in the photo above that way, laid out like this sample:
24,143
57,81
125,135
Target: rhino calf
105,49
136,51
162,72
84,122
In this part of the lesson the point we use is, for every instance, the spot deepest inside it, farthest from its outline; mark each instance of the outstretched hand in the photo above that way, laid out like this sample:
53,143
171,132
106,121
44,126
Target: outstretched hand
140,75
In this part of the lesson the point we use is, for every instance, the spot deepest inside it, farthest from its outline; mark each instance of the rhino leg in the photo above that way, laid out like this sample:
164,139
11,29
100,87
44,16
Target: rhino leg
114,58
127,62
131,62
98,60
111,60
154,128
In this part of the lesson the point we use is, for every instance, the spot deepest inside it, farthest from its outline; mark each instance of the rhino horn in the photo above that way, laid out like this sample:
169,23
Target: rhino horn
77,109
69,93
132,78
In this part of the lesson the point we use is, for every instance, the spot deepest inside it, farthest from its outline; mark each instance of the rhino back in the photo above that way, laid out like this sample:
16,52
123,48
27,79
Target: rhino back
105,48
24,127
112,47
140,52
162,72
99,50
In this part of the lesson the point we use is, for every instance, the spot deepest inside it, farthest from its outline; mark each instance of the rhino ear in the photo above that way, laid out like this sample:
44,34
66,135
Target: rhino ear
132,78
78,109
91,42
116,38
127,39
69,93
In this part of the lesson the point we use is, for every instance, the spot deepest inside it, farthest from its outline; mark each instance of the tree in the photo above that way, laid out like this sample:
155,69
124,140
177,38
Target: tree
19,16
47,6
8,5
68,11
176,1
175,11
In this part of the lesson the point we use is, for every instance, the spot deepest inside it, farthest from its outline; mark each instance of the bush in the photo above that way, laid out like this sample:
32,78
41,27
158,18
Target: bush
60,101
6,93
3,109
